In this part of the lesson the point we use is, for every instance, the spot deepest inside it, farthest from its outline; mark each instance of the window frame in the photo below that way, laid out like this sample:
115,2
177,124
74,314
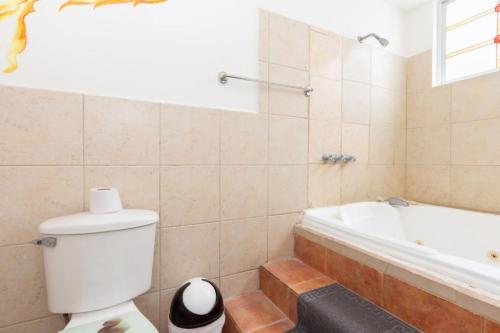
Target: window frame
439,48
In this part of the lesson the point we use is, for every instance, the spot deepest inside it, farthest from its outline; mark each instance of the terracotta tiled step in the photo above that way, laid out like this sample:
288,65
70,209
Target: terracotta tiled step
284,280
254,313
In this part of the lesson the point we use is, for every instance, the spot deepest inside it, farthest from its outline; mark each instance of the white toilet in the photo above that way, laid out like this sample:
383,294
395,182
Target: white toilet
95,264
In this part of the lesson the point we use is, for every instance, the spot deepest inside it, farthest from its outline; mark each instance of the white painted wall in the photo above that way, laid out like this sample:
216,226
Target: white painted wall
172,52
420,23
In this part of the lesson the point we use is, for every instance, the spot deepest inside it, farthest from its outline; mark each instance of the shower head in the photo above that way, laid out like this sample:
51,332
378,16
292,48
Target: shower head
384,42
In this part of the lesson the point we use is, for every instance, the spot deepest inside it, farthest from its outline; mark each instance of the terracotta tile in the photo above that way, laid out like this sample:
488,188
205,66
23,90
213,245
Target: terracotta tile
282,326
362,279
292,271
253,310
427,312
492,327
312,284
292,307
311,253
229,326
274,289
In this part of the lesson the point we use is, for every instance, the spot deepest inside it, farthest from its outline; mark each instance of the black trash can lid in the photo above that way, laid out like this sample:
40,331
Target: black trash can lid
182,317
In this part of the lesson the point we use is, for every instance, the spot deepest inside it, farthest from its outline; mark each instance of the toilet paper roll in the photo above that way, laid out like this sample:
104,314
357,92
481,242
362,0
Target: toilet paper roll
105,200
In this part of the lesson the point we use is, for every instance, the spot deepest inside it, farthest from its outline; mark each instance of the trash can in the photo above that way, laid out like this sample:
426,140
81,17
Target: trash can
197,307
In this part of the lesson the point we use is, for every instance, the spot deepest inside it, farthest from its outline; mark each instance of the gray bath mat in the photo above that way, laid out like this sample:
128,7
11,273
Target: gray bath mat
335,309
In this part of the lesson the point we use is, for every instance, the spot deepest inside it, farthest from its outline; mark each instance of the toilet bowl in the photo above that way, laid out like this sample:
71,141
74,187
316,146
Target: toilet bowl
125,316
95,265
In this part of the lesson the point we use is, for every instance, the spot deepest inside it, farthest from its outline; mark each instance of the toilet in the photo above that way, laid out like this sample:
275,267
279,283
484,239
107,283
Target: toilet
95,265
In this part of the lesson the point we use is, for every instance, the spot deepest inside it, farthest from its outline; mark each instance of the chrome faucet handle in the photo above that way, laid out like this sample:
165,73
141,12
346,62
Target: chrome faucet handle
349,159
333,158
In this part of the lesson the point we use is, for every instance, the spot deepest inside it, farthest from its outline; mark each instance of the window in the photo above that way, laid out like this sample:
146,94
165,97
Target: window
467,38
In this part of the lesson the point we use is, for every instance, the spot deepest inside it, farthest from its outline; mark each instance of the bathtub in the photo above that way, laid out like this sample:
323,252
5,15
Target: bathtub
458,244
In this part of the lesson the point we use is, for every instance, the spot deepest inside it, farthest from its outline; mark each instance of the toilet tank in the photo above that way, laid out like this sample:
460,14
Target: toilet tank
99,260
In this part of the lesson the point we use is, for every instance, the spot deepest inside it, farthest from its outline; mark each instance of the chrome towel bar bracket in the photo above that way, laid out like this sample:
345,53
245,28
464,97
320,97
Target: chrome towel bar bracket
224,77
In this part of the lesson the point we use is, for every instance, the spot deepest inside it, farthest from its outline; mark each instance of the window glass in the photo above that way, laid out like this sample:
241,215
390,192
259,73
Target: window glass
469,47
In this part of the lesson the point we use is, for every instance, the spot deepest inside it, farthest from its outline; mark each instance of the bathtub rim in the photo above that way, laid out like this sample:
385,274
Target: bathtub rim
476,301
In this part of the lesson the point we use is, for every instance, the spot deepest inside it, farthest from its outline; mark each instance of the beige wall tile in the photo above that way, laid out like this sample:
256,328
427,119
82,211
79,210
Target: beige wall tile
387,181
244,138
188,252
355,185
387,145
243,192
281,235
121,132
156,278
429,107
264,88
240,283
387,108
324,185
23,292
324,137
288,140
420,72
356,141
476,98
326,55
388,71
476,142
30,195
243,245
46,325
476,187
355,102
286,101
287,189
40,127
356,60
189,135
289,42
428,145
263,35
139,186
326,100
189,195
149,305
428,183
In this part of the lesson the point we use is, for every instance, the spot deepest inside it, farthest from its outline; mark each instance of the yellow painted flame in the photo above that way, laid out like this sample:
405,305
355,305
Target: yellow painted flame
21,8
99,3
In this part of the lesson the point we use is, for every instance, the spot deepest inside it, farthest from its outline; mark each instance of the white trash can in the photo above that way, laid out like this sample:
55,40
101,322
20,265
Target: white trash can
197,307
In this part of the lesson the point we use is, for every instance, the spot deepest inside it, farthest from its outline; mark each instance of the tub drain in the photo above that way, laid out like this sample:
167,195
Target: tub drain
494,256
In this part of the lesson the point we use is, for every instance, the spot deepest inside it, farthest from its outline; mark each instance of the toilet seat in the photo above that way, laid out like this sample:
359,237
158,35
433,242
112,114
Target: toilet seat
125,316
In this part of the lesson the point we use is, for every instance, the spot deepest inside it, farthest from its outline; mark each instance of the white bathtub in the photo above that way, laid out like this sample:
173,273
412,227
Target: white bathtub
458,244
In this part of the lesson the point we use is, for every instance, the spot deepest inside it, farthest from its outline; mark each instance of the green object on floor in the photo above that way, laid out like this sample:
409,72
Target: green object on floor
133,322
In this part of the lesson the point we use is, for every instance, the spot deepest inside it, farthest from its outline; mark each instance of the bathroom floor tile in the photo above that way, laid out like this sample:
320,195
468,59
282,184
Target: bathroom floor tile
252,311
292,271
360,278
276,290
311,253
280,327
427,312
312,284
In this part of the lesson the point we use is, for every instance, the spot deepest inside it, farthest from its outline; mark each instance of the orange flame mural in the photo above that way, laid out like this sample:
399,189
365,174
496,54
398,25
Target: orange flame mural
20,9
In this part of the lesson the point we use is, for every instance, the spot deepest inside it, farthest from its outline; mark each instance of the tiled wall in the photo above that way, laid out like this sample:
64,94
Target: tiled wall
453,139
358,107
228,185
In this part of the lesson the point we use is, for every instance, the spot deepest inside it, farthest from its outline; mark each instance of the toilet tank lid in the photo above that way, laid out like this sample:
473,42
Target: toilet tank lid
88,223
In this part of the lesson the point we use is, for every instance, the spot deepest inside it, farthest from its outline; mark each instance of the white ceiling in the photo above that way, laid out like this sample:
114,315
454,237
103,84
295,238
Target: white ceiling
407,5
